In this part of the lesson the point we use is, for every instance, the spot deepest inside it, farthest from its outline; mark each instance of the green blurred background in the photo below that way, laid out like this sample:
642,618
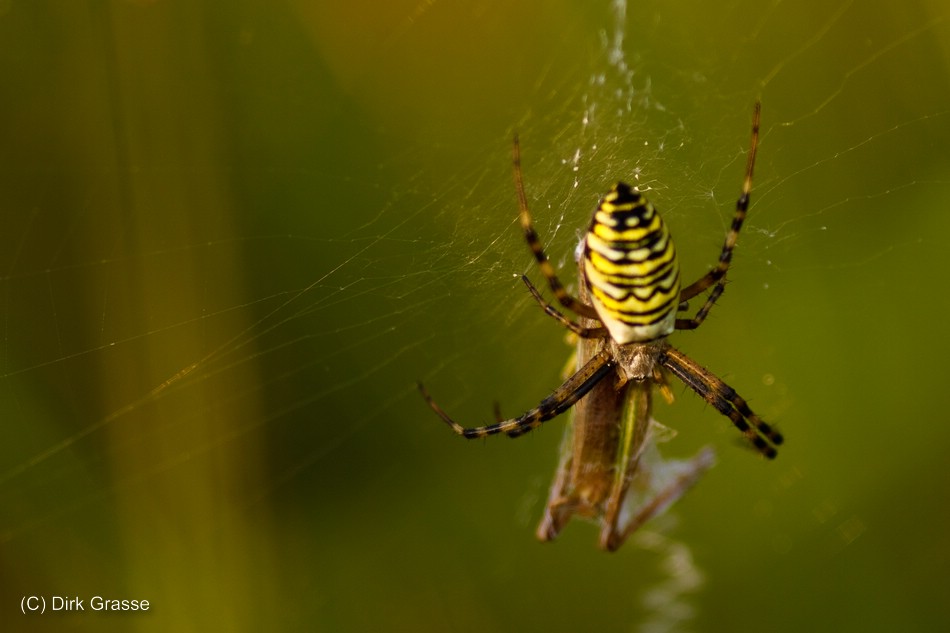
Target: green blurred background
235,233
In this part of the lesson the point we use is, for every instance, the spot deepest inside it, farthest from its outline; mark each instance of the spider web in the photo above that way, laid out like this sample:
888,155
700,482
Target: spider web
226,264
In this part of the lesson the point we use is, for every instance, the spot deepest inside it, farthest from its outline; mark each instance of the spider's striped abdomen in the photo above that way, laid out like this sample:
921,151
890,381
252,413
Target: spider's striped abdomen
631,268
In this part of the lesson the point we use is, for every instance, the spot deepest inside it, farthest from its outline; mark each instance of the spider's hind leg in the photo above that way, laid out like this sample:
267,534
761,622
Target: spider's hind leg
534,243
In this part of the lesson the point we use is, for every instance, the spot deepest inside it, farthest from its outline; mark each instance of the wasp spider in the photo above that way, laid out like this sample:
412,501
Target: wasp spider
629,296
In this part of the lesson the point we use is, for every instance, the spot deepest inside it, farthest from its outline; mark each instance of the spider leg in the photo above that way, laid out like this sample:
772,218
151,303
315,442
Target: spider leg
562,399
717,276
725,400
534,243
581,331
693,323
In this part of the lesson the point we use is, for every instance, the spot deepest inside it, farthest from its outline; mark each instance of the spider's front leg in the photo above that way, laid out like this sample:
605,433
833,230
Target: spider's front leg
724,399
562,399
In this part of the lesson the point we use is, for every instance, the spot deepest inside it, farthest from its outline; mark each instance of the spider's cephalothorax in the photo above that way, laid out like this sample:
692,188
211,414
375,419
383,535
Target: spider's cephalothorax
628,298
631,268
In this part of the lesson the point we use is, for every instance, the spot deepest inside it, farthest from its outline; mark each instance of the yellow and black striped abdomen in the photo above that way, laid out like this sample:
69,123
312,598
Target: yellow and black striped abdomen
631,268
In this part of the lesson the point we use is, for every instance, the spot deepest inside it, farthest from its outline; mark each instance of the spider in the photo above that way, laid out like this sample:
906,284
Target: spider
629,297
